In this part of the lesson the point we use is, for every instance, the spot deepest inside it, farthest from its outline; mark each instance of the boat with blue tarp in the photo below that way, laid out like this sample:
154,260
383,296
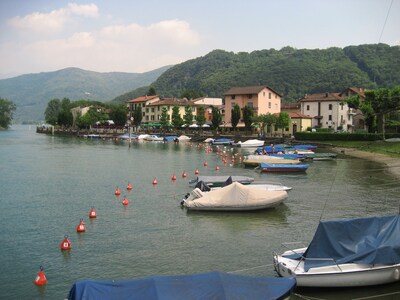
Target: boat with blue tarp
212,285
346,253
266,167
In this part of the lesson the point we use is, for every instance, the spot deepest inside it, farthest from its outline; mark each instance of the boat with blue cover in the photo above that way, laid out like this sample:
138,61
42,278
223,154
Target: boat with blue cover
346,253
223,141
212,285
266,167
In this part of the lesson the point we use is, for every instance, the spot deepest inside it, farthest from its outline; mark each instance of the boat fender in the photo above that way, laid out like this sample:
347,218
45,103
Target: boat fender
396,274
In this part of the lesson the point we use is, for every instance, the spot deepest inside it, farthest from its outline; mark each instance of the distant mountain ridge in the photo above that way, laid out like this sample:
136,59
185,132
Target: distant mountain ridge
32,92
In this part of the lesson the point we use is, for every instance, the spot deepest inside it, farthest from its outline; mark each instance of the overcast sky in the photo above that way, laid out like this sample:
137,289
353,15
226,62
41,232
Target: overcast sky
141,35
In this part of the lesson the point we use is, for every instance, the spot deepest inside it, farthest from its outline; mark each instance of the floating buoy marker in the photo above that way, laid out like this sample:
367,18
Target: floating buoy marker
117,191
184,174
155,181
81,227
66,244
173,177
125,201
92,213
216,168
129,186
40,278
205,164
196,172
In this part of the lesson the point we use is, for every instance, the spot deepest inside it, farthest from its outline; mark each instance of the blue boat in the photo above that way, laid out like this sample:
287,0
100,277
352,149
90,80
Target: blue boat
170,138
222,141
213,285
264,167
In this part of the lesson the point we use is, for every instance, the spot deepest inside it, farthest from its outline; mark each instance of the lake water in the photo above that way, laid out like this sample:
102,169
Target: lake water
49,183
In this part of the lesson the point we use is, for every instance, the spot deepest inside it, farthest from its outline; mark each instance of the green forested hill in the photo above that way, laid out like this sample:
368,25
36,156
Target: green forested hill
32,92
289,71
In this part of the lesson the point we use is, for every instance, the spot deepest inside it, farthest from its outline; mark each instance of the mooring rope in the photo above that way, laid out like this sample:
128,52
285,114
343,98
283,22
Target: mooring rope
376,296
263,266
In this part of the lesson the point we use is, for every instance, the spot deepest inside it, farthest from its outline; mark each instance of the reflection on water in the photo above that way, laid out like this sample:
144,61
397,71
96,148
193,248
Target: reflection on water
49,183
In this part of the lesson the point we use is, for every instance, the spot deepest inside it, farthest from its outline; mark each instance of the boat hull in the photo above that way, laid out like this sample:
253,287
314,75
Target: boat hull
344,275
283,167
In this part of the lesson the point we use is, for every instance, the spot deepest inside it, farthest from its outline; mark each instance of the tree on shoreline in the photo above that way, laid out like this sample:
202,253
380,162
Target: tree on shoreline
7,109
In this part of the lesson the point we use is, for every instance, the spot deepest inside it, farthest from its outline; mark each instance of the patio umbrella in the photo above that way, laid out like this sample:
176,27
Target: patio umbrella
193,126
205,126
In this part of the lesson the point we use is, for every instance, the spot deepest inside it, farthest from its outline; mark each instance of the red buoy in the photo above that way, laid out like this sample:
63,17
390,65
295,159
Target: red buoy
205,164
155,181
117,191
217,168
40,278
65,244
196,172
184,174
81,227
125,201
92,213
173,177
129,186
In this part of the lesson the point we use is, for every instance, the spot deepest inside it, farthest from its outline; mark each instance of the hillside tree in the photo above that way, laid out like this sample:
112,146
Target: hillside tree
176,118
188,117
52,110
282,121
216,117
7,109
248,113
164,118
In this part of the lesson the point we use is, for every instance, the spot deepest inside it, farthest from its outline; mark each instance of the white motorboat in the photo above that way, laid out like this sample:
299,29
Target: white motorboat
142,136
234,197
154,138
255,160
346,253
184,138
250,144
215,181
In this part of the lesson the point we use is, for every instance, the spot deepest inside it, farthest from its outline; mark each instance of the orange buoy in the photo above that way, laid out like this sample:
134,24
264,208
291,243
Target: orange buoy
129,186
65,244
155,181
125,201
173,177
184,174
81,227
92,213
205,164
217,168
117,191
40,278
196,172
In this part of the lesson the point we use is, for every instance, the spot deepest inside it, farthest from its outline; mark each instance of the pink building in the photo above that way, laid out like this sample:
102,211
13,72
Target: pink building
262,99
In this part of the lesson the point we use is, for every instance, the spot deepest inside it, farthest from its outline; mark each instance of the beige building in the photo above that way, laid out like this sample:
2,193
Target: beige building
262,99
153,110
358,117
328,110
142,102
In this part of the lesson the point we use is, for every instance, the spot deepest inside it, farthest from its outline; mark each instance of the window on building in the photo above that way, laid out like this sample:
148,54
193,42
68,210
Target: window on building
152,109
330,118
269,104
341,106
308,107
263,94
250,104
330,107
147,110
233,97
269,95
249,96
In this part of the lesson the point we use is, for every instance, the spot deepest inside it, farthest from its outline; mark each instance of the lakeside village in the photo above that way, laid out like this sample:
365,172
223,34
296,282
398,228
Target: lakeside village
326,111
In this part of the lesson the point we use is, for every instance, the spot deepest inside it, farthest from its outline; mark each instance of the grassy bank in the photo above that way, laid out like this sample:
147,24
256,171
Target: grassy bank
388,148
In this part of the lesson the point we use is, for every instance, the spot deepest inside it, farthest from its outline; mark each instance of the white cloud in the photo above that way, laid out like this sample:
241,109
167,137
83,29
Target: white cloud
126,48
53,21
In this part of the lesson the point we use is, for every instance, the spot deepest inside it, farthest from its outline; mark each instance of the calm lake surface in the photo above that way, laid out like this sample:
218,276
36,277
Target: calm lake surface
49,183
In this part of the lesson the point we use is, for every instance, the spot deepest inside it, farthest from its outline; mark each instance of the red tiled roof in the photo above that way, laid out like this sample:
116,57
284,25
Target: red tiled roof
321,97
298,115
172,102
247,90
143,99
290,106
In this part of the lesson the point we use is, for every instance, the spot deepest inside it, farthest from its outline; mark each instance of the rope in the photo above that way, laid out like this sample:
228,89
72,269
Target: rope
263,266
381,295
307,297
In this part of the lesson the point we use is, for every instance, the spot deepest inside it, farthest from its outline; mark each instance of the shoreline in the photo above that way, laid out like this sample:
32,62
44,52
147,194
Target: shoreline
392,164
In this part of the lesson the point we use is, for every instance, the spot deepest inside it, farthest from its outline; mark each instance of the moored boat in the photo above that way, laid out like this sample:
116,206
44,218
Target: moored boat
214,181
274,167
346,253
212,285
222,141
250,144
233,197
255,160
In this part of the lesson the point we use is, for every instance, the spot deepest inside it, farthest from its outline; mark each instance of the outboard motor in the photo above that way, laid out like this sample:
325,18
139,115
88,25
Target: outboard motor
228,181
202,186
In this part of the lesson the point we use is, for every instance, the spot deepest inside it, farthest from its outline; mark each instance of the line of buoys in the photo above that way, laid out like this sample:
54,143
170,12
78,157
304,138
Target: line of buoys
125,201
92,213
65,244
129,186
40,278
81,227
117,191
